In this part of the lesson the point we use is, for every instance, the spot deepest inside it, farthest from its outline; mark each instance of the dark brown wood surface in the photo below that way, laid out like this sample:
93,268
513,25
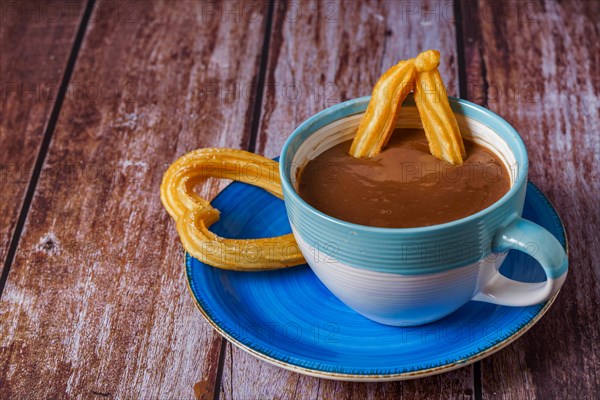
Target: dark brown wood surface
35,42
537,64
96,305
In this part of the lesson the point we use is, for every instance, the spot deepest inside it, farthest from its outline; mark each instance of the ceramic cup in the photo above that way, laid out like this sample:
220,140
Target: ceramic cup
412,276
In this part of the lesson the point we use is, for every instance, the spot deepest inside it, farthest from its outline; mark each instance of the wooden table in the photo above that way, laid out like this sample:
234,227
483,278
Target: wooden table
98,98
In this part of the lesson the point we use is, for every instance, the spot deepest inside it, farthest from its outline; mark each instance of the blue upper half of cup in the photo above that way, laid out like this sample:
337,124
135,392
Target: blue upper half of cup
410,251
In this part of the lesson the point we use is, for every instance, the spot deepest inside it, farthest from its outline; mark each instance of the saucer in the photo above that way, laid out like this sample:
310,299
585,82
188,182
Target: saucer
288,318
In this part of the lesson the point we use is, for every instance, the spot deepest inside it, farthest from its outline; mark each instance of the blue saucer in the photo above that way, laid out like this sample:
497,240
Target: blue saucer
287,317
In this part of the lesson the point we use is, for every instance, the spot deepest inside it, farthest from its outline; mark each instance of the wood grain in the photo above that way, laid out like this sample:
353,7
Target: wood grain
96,303
536,64
35,41
321,55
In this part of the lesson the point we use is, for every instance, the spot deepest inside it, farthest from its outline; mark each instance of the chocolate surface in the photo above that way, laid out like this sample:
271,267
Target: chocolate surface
404,186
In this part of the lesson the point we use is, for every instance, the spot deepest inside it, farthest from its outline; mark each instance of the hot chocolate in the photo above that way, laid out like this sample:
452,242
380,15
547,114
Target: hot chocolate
404,186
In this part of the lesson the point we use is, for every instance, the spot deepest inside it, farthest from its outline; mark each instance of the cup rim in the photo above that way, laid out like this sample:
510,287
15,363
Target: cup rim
460,106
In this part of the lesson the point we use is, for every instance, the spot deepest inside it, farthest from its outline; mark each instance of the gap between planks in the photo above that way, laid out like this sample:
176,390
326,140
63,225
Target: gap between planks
46,139
463,94
251,147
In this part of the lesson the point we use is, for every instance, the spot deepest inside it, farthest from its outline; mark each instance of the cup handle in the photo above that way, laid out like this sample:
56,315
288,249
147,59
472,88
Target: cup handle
532,239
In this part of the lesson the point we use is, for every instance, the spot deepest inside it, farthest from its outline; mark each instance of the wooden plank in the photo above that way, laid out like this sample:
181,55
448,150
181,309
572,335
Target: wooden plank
96,303
536,64
35,41
321,54
330,51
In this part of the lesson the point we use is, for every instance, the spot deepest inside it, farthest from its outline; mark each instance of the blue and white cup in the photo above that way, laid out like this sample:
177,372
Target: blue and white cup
412,276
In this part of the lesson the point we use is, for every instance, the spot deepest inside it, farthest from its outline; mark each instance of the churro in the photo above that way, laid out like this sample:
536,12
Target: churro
439,122
379,120
194,215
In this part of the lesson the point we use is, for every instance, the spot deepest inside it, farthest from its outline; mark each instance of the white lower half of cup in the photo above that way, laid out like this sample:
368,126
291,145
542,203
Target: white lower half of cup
401,300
